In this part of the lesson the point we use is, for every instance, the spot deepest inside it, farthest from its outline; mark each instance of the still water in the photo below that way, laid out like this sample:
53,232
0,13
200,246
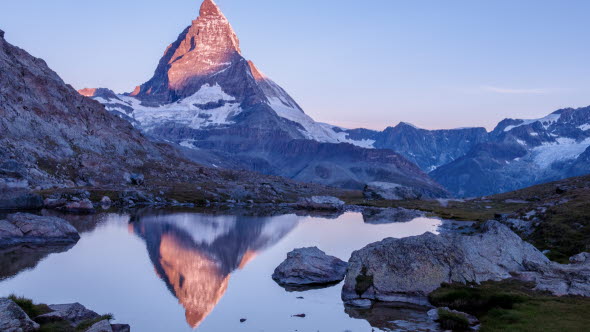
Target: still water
167,271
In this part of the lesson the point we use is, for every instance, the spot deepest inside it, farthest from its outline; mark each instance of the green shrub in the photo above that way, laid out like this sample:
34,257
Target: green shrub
452,321
31,309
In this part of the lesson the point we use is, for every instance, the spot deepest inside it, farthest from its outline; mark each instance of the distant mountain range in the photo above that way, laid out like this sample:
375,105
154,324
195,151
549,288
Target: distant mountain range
207,98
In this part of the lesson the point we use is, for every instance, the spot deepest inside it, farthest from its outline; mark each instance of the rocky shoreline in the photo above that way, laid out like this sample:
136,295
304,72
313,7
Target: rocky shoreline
16,312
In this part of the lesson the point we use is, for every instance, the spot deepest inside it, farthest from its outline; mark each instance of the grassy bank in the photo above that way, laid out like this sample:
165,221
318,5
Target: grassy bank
513,306
34,310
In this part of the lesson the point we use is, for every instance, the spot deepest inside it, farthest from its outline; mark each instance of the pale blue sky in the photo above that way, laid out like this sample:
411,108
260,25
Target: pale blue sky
437,64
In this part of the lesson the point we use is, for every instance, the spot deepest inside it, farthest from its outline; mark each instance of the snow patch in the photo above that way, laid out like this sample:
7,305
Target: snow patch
321,132
585,127
546,122
208,107
564,149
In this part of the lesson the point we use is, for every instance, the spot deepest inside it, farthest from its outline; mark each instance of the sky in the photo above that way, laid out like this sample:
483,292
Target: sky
436,64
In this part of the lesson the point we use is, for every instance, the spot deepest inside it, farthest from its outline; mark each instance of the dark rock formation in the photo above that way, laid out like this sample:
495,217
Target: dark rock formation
309,266
19,199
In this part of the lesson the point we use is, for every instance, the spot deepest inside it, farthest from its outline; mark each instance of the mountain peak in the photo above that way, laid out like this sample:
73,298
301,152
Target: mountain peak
208,46
210,8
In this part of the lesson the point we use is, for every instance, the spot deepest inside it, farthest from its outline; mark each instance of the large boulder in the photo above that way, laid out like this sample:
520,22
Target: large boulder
390,191
74,313
14,319
309,266
25,228
408,269
19,200
327,203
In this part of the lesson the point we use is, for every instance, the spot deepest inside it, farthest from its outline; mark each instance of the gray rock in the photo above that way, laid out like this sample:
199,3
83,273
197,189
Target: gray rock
559,279
134,179
388,216
582,258
74,313
8,230
321,203
1,34
102,326
390,191
21,228
407,270
13,318
19,200
82,206
106,201
309,266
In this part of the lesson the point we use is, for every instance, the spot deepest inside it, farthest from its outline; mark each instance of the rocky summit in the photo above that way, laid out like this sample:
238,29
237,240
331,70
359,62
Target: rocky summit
224,112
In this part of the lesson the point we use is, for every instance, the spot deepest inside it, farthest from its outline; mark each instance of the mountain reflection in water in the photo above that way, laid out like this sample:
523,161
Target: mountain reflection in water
195,254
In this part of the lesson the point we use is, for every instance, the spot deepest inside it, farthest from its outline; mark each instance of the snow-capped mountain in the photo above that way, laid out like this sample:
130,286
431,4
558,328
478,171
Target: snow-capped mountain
520,153
202,81
207,98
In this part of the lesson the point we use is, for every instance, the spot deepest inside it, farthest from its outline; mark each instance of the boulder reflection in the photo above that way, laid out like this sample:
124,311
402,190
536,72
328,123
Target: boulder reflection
195,254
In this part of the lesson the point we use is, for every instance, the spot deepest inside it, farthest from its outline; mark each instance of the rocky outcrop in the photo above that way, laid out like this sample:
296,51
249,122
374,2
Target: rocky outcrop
24,228
408,269
14,319
561,279
74,313
392,191
327,203
309,266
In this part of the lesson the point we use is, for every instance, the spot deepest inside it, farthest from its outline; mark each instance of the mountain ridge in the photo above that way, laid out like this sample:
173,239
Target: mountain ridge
206,97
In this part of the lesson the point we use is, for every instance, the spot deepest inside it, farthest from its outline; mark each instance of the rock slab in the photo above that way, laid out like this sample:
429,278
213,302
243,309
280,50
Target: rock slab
25,228
309,266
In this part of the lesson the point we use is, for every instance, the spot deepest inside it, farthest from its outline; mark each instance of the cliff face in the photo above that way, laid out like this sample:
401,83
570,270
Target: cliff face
49,133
